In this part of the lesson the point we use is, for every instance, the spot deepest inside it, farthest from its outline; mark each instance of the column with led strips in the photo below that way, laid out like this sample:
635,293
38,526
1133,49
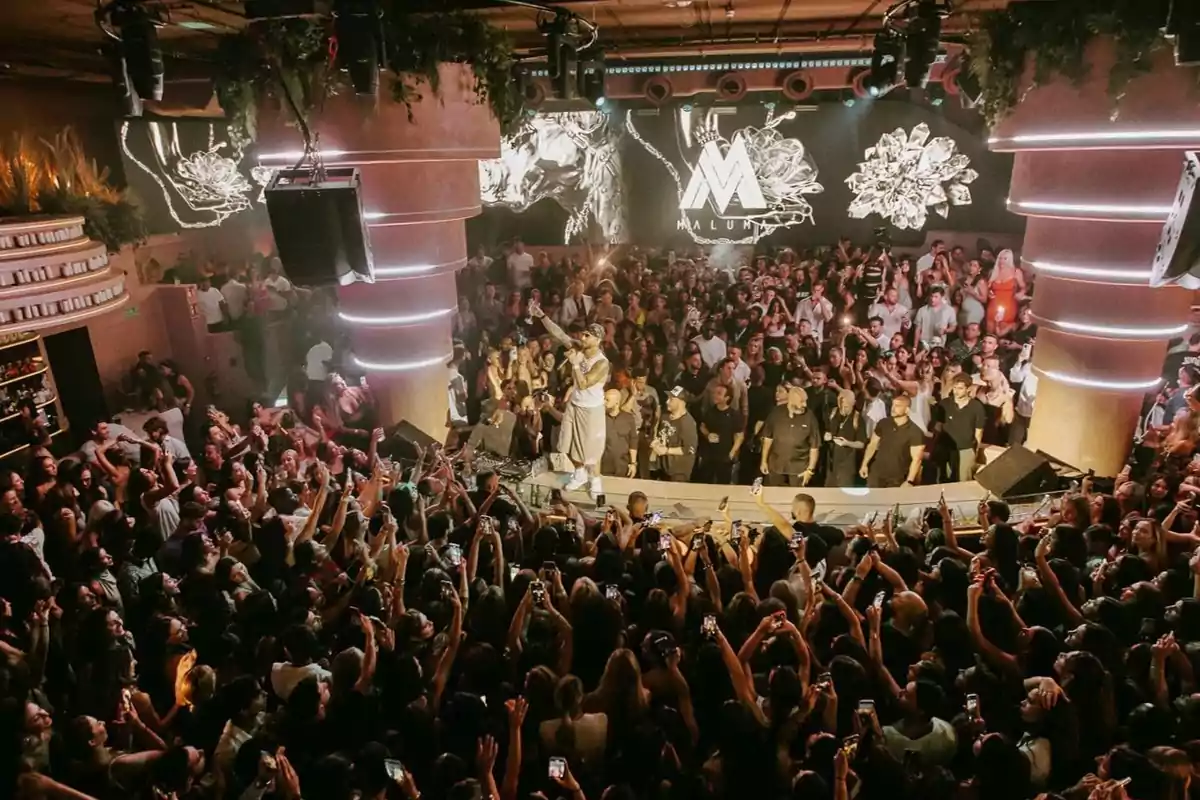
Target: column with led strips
1095,192
420,177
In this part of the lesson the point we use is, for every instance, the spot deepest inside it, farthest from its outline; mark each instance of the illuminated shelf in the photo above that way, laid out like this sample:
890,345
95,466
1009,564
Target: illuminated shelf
23,377
27,340
49,402
16,450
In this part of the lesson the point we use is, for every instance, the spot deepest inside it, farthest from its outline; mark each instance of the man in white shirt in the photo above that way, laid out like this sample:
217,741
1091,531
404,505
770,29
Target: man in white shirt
936,319
937,248
520,265
279,288
741,370
316,363
891,311
480,263
817,309
712,348
575,307
874,409
236,296
211,304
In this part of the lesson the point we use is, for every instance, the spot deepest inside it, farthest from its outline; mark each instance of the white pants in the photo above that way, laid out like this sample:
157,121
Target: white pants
581,436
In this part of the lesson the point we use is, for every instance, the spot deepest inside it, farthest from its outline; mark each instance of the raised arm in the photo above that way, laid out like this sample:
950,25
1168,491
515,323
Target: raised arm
517,709
847,611
1051,583
742,688
552,328
998,657
777,519
442,673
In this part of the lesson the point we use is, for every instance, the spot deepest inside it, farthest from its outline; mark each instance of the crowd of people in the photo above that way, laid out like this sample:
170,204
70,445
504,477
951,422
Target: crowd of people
312,608
284,619
836,366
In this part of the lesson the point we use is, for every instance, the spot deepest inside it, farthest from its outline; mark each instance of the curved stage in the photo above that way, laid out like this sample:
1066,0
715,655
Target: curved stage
842,508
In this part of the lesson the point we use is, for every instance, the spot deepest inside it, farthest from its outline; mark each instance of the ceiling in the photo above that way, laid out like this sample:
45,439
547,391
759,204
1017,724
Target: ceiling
59,38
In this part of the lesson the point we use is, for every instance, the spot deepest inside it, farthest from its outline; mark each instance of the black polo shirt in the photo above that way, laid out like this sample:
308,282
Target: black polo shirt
961,422
620,436
792,436
724,425
894,455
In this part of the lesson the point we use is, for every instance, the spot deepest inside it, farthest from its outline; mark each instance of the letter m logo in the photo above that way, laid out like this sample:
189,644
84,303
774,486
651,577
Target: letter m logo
723,175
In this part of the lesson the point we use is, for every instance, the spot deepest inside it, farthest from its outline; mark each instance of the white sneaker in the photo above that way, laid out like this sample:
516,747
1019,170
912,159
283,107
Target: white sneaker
577,481
595,488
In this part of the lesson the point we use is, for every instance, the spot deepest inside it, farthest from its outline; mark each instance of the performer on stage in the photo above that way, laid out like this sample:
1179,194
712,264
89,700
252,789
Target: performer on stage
581,437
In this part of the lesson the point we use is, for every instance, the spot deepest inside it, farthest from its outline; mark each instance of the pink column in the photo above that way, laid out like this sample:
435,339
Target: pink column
420,179
1096,191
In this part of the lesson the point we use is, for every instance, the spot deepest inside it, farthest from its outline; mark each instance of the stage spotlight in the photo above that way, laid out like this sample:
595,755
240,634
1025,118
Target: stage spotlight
127,96
562,47
589,77
848,98
921,36
885,64
136,30
1183,26
359,29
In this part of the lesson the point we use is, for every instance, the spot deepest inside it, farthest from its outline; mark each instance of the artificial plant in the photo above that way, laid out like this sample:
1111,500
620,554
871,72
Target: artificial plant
290,61
1056,35
55,176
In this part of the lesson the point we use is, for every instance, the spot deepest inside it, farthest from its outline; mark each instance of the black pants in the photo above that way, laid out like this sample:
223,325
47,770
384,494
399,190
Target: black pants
880,480
712,470
780,479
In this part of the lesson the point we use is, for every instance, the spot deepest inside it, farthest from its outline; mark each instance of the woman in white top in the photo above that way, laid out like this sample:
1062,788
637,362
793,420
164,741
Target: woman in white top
973,306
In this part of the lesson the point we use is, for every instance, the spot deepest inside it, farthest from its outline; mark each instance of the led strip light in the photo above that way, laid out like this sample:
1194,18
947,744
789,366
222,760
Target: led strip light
402,366
1098,137
1091,383
1124,331
416,269
1068,270
1141,210
398,321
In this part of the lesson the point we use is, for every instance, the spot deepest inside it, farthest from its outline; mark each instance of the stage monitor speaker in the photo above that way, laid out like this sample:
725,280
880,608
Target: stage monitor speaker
1177,259
401,441
1018,472
319,226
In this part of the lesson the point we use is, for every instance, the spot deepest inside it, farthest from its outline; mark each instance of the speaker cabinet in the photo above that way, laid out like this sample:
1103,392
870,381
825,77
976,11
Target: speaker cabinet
1177,259
319,226
1018,472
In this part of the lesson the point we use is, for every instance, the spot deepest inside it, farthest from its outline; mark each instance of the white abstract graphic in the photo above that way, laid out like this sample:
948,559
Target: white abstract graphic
572,158
905,175
208,182
766,172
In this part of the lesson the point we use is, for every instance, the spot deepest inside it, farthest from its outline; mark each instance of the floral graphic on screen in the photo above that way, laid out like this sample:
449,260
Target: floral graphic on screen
571,157
905,175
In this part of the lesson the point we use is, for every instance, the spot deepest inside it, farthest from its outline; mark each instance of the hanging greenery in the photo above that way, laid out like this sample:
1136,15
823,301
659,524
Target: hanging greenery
56,177
1056,35
289,60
